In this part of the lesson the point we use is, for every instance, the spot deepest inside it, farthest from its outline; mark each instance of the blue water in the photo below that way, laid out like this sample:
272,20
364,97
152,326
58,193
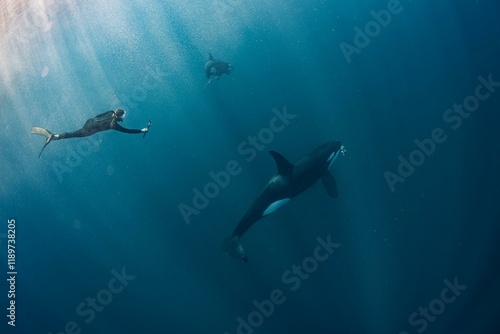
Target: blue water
94,209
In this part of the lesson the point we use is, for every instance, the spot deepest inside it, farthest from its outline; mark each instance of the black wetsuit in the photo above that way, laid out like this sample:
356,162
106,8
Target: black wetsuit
101,122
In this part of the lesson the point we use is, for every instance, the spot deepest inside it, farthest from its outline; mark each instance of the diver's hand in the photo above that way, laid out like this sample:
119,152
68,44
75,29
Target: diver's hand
146,129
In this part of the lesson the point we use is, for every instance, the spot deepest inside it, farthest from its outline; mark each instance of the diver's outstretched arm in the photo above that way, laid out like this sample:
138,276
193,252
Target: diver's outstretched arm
120,128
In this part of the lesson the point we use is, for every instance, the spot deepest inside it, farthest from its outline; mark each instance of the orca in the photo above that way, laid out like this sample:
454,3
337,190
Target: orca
290,181
216,68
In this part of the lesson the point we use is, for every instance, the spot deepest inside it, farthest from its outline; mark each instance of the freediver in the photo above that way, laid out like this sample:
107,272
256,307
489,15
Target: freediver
102,122
217,68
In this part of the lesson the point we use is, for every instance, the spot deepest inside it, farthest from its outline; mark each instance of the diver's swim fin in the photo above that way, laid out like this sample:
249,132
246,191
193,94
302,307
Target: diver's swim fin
210,57
43,132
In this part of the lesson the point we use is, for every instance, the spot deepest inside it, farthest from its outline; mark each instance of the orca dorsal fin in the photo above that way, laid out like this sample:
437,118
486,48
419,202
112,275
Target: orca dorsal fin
284,166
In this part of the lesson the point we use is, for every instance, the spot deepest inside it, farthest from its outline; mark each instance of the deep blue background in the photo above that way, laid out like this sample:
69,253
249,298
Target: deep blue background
62,63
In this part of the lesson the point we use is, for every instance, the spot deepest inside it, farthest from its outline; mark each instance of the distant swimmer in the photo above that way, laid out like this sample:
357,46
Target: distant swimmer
217,68
102,122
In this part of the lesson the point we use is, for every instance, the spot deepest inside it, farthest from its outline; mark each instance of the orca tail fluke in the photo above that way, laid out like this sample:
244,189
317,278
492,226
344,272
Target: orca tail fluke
231,246
43,132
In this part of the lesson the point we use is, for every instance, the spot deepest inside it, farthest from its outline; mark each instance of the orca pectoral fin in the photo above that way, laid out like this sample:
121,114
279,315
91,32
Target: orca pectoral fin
231,246
330,185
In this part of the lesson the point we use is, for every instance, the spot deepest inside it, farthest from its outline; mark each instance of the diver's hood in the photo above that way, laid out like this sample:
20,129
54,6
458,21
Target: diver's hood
120,114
